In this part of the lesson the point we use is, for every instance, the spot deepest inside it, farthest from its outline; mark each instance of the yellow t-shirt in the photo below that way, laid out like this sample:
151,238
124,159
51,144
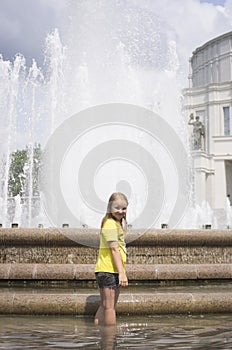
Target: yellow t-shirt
111,231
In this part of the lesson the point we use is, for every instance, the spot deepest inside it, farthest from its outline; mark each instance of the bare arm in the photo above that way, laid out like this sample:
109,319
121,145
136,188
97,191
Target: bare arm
123,281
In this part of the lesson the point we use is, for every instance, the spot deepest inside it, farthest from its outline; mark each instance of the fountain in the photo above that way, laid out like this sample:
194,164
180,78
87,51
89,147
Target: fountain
228,213
108,98
136,68
118,65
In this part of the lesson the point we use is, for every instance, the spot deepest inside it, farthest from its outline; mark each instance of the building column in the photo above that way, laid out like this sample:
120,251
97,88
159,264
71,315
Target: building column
200,185
220,191
203,177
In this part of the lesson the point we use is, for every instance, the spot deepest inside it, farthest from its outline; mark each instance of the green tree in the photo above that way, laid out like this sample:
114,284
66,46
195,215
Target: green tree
36,168
18,172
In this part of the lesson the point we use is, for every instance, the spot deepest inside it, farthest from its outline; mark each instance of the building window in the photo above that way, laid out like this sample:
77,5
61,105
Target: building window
226,113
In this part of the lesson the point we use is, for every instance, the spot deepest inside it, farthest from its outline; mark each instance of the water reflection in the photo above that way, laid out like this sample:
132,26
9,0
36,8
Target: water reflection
108,337
135,287
140,332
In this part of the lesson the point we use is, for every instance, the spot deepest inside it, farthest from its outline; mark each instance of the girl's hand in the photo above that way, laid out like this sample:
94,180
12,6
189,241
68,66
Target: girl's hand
123,281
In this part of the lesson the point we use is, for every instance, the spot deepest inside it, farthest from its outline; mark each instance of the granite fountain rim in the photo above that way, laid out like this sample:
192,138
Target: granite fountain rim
83,237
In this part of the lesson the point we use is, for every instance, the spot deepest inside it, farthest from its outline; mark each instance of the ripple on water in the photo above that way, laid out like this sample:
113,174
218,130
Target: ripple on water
155,332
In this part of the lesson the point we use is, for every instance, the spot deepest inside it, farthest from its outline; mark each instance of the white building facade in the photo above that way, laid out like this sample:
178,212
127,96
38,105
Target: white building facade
209,96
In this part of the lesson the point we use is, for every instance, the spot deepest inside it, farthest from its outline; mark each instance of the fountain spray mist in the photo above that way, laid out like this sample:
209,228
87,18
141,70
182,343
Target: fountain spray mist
110,52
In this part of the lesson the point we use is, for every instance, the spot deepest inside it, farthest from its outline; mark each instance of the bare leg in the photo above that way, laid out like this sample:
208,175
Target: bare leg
99,317
109,306
117,292
106,313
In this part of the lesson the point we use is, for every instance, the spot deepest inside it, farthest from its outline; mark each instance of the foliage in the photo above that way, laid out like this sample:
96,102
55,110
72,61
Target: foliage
23,165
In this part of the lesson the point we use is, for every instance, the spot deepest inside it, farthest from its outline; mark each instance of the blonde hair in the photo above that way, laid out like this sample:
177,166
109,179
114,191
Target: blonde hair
112,198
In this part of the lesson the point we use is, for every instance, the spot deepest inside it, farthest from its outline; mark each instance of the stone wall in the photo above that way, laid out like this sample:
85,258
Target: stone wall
63,246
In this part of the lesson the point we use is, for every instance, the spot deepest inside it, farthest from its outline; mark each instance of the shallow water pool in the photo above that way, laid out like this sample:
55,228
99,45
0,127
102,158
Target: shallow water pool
203,332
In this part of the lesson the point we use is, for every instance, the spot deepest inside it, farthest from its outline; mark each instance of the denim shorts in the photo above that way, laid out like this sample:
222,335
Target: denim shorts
107,279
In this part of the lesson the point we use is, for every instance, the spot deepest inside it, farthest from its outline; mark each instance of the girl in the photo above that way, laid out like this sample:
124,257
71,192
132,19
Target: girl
110,267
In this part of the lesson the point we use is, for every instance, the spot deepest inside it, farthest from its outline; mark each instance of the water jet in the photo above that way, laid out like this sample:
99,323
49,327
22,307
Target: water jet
47,263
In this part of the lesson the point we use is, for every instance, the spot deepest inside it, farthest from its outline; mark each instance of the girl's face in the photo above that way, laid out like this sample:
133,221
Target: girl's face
119,208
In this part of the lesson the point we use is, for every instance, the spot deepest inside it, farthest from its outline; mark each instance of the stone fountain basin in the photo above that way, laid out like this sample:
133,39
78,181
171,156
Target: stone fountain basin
157,261
86,303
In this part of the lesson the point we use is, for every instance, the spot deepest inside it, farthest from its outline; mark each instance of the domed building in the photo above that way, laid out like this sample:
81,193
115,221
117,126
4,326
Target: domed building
208,104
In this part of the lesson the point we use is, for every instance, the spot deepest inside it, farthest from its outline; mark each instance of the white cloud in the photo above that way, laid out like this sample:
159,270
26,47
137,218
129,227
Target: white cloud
228,10
192,23
24,24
